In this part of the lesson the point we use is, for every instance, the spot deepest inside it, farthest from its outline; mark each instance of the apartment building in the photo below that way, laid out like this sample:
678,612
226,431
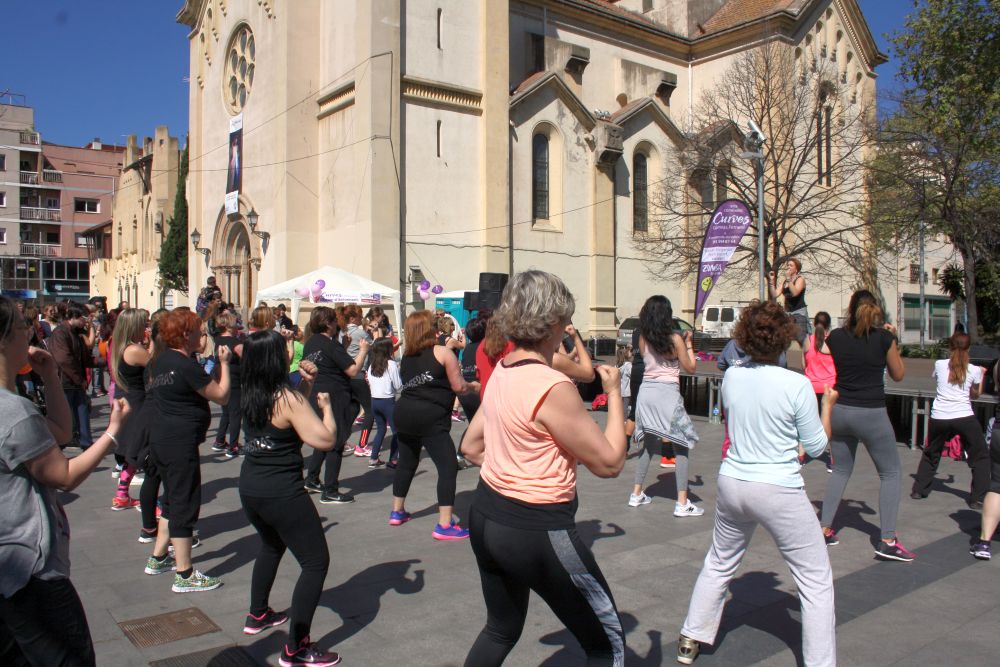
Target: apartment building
50,195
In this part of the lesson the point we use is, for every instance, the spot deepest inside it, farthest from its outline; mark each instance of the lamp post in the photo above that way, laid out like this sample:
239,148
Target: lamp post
196,242
754,142
265,237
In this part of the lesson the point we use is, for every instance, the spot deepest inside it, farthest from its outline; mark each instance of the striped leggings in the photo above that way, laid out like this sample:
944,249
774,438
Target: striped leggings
561,570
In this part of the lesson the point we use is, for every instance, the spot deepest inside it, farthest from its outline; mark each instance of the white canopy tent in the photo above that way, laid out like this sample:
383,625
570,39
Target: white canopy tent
330,285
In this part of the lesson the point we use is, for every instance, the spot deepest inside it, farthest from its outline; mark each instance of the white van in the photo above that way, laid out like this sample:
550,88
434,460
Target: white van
719,320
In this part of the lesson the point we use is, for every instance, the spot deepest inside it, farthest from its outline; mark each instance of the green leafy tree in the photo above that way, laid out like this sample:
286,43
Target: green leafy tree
174,251
936,165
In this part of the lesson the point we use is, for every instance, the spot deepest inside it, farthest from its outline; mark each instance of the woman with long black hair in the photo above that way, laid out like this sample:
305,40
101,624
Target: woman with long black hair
384,382
659,414
279,420
334,370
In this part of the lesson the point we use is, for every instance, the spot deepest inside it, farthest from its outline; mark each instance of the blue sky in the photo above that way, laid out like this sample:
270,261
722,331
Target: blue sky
109,68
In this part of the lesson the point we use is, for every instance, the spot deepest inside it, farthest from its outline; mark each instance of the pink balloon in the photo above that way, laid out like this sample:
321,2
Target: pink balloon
424,294
437,289
302,292
316,290
320,284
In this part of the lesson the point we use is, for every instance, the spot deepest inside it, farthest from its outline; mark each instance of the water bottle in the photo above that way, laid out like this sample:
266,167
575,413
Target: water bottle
715,415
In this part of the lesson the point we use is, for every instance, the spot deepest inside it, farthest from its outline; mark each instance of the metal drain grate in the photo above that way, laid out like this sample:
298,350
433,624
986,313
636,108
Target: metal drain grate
224,656
165,628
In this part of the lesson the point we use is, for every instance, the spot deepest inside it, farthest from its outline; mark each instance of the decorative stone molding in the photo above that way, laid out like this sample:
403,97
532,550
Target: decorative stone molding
337,99
441,94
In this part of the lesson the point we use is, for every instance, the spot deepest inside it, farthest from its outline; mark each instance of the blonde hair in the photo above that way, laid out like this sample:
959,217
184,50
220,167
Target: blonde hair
130,326
958,362
532,303
868,316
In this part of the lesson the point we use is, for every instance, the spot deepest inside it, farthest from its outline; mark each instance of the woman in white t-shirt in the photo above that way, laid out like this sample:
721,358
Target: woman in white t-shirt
958,382
384,381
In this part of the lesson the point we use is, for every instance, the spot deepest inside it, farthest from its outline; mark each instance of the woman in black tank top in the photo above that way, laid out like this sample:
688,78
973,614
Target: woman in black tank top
278,420
126,346
231,422
431,378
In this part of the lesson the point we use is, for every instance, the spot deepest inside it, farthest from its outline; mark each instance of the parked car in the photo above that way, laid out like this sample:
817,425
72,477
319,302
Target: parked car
630,324
719,320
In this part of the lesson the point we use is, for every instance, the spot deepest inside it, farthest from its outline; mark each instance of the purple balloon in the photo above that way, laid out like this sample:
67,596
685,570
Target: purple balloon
425,285
437,289
320,283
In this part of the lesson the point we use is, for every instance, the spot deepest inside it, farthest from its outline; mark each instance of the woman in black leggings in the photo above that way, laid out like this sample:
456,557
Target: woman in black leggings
227,437
528,436
431,379
278,420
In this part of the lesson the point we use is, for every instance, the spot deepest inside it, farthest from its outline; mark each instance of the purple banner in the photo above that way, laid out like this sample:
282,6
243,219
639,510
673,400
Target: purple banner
729,222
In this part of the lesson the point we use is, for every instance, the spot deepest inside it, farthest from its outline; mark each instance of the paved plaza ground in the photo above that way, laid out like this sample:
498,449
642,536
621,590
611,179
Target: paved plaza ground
394,596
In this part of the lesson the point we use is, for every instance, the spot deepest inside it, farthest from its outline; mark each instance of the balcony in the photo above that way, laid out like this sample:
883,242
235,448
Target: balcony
28,137
41,214
51,176
41,250
29,178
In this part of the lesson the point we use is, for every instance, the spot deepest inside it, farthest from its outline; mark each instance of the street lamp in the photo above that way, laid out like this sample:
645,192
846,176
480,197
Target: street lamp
252,222
754,142
196,241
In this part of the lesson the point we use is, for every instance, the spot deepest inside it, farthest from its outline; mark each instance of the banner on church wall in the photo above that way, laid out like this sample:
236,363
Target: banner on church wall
234,173
728,224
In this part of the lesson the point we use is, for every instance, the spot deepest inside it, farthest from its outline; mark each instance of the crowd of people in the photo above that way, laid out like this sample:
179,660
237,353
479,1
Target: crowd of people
512,374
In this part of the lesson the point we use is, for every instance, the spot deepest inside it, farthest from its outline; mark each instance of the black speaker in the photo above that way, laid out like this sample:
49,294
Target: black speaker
489,299
492,282
471,301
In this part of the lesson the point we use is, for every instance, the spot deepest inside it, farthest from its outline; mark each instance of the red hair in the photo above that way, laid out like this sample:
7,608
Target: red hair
175,327
420,332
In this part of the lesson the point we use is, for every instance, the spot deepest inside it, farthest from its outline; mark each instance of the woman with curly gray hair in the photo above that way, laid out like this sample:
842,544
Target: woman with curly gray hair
529,435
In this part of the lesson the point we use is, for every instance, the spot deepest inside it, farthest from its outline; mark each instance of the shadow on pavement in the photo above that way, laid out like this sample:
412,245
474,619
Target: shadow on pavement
242,551
572,654
849,515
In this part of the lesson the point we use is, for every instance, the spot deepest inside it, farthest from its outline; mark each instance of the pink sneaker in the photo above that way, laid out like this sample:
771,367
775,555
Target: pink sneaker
363,451
126,503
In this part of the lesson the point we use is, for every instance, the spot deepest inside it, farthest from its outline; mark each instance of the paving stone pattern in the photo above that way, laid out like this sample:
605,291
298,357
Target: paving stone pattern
394,596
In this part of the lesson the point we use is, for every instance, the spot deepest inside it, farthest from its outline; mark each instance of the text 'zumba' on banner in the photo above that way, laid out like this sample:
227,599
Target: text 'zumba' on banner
728,224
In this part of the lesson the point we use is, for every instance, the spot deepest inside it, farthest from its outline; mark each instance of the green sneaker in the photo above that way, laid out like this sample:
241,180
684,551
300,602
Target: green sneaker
154,566
196,583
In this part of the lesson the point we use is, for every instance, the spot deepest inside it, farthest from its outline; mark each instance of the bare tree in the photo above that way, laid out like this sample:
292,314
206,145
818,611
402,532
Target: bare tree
815,201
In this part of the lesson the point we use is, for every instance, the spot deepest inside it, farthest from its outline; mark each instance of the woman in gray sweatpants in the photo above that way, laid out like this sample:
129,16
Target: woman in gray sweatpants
770,410
862,352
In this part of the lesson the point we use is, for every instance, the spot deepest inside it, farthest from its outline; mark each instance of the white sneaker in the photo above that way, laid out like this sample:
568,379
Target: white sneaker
636,500
687,510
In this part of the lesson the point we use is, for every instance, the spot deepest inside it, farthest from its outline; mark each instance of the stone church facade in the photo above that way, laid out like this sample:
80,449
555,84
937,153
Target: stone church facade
412,139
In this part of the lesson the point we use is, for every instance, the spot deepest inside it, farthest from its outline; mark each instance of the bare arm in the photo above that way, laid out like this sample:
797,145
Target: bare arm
772,286
474,444
315,433
797,286
53,469
563,416
581,369
893,360
57,414
136,355
977,389
684,350
359,361
217,391
446,358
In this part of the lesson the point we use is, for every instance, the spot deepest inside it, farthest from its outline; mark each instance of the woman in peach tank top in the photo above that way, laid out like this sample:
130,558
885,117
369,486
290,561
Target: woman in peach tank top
529,435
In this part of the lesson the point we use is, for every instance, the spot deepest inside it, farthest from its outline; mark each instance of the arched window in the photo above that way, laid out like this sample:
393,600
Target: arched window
723,177
640,198
540,177
824,158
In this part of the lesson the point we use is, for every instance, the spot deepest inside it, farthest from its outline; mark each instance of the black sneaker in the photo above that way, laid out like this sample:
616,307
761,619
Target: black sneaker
234,451
392,463
254,625
145,536
336,498
894,551
376,463
980,549
916,495
219,446
313,487
307,655
975,505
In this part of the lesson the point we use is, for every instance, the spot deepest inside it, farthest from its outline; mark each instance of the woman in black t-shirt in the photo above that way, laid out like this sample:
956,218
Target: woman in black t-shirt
181,391
278,420
862,352
334,370
431,378
232,412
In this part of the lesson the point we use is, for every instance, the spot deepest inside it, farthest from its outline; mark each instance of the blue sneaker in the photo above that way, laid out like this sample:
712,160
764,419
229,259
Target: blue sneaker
452,532
398,518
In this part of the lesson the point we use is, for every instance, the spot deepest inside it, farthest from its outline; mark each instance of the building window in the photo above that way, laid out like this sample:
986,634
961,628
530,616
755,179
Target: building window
3,163
86,205
3,198
540,177
3,236
240,64
82,241
439,139
915,274
51,202
52,238
640,200
440,24
824,154
723,177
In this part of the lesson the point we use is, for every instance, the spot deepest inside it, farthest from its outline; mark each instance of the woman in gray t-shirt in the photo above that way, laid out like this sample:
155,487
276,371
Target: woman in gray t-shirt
41,616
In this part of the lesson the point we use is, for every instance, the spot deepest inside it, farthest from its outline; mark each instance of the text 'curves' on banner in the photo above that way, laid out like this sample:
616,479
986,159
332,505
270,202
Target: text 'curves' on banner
728,224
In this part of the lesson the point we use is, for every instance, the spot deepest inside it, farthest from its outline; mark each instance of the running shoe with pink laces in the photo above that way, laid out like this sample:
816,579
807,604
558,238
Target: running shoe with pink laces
307,655
894,551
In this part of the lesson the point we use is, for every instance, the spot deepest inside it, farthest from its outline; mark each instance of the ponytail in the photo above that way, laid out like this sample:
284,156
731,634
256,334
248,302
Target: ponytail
821,324
867,316
958,362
